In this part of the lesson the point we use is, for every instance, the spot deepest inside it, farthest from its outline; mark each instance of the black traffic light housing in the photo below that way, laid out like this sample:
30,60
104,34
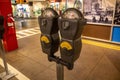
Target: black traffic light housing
49,39
71,25
1,27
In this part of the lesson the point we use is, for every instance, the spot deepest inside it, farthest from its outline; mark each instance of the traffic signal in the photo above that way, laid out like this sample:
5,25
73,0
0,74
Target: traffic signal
55,0
71,25
21,1
17,1
49,38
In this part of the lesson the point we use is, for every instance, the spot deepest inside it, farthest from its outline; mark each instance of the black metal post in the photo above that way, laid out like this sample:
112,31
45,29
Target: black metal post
60,71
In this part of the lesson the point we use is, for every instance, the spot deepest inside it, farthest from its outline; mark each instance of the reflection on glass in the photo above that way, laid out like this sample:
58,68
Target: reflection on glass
48,13
70,15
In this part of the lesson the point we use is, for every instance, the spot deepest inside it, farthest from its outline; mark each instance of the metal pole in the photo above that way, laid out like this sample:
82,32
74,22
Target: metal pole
60,71
66,4
74,3
3,57
7,74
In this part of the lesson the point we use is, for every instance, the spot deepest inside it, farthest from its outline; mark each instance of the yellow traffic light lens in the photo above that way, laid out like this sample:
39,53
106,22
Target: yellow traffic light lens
45,39
66,45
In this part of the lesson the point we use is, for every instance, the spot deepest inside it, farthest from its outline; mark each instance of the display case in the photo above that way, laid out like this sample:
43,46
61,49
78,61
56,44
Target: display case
97,31
116,34
103,21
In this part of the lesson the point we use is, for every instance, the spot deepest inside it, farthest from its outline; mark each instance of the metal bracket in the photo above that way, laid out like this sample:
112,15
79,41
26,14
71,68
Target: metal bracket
60,61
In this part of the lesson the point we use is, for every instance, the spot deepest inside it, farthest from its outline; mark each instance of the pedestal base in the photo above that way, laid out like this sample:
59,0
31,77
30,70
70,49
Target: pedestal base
5,76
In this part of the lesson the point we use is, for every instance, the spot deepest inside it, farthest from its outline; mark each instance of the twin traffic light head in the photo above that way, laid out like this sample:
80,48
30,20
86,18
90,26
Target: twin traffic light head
48,22
71,25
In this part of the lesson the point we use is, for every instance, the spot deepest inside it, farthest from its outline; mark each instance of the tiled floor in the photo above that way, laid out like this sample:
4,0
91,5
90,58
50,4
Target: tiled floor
95,63
27,32
22,24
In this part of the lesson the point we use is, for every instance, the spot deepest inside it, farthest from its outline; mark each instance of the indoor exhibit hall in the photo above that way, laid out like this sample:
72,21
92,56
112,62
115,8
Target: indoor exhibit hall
59,40
94,63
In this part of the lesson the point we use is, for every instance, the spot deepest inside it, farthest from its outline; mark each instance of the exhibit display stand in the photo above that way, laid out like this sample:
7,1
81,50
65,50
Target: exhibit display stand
70,24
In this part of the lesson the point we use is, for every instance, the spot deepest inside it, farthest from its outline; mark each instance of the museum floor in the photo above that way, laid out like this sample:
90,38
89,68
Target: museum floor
30,63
